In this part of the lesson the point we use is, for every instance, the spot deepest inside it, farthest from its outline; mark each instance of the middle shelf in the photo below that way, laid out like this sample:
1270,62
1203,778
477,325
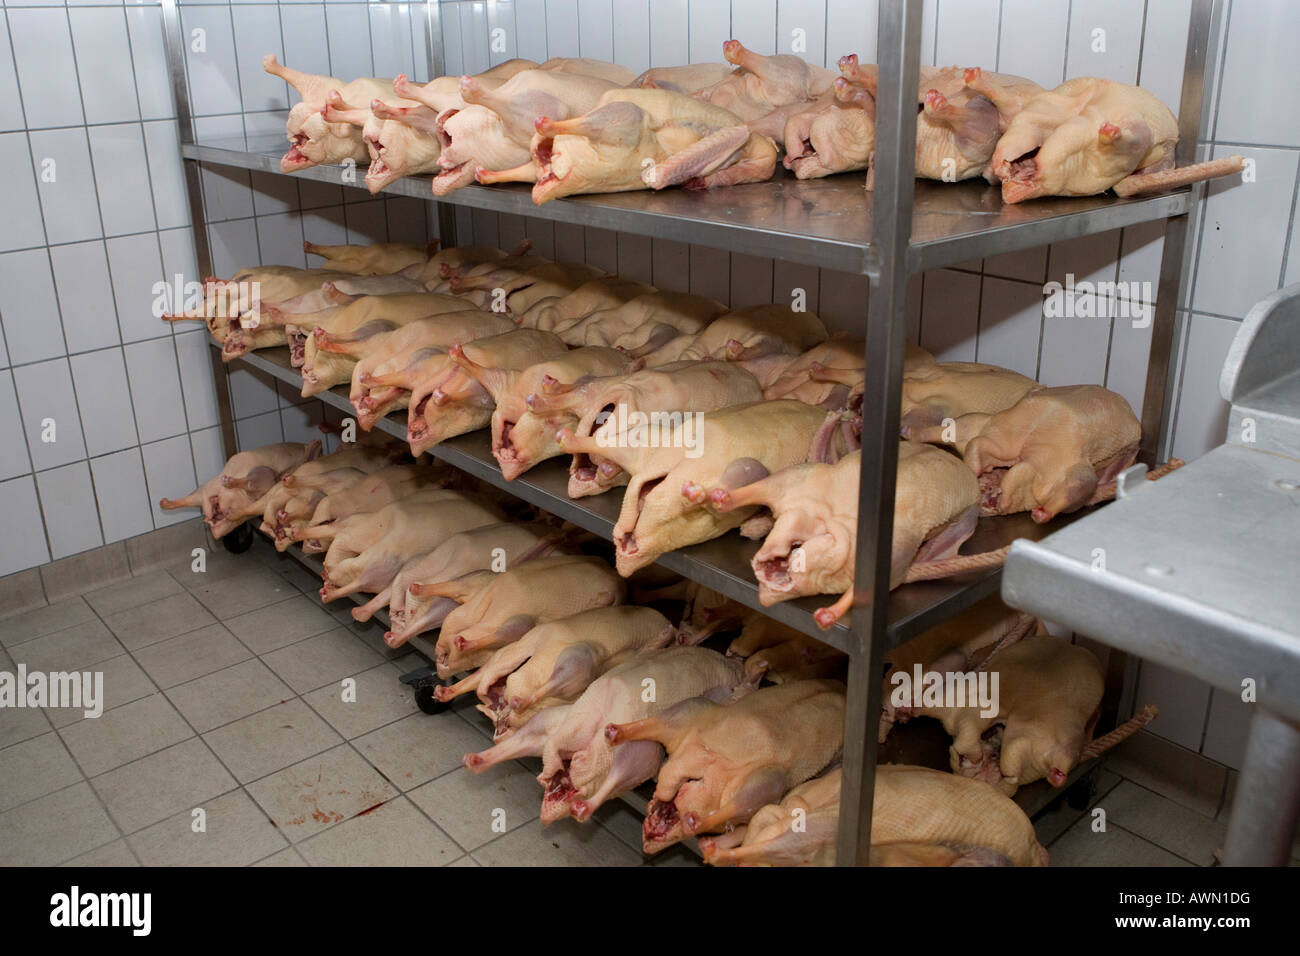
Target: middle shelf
722,564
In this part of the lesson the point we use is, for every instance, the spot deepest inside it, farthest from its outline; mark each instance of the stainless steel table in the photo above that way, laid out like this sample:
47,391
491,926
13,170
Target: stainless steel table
1200,572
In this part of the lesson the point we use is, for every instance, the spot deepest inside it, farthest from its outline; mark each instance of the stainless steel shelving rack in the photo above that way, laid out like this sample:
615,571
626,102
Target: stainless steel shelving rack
902,228
1209,556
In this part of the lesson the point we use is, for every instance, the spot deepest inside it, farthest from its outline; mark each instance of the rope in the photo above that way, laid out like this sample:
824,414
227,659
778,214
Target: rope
1120,733
962,563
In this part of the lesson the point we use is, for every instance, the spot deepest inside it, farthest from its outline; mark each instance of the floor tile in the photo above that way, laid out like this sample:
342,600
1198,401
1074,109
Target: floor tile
623,821
248,590
190,656
286,857
21,591
380,698
55,828
324,659
1167,824
116,853
34,768
465,860
320,792
1172,771
396,834
1080,846
271,740
79,647
175,614
1051,823
236,833
291,569
474,809
132,592
465,707
21,723
679,855
278,625
563,843
153,788
418,748
124,734
29,625
228,694
124,682
218,563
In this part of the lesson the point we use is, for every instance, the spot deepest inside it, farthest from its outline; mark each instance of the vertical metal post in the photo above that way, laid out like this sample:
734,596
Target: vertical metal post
899,53
437,59
1166,330
174,45
1267,801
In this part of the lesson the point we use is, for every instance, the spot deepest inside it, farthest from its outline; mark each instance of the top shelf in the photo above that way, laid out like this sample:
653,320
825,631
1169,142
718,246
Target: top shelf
820,222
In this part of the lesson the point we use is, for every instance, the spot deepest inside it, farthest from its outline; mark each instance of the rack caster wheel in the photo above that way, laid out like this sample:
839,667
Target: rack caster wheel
1082,792
422,682
239,540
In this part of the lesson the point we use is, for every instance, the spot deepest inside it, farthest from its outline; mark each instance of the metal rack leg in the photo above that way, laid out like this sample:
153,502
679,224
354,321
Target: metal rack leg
899,46
1267,803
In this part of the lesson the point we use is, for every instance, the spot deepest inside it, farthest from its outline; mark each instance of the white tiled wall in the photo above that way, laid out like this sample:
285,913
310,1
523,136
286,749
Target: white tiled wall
134,401
95,212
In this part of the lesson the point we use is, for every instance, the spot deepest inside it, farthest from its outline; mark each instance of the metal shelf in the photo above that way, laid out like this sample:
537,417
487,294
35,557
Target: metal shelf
820,222
722,564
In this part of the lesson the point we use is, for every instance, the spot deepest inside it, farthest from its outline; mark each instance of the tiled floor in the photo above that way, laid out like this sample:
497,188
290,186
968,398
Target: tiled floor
226,739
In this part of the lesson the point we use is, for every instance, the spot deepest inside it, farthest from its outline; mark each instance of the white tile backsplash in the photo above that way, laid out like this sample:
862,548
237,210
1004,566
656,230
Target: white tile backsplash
260,430
49,409
85,292
196,378
1105,39
257,33
1243,235
66,183
152,86
15,460
210,60
1202,415
166,175
11,105
105,401
169,473
152,370
969,35
20,207
305,45
23,543
71,516
135,266
122,494
121,164
28,307
349,40
47,70
102,45
1011,317
1256,56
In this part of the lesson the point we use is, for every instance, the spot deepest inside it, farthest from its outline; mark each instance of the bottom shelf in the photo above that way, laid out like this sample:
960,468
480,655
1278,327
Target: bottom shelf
922,742
420,643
